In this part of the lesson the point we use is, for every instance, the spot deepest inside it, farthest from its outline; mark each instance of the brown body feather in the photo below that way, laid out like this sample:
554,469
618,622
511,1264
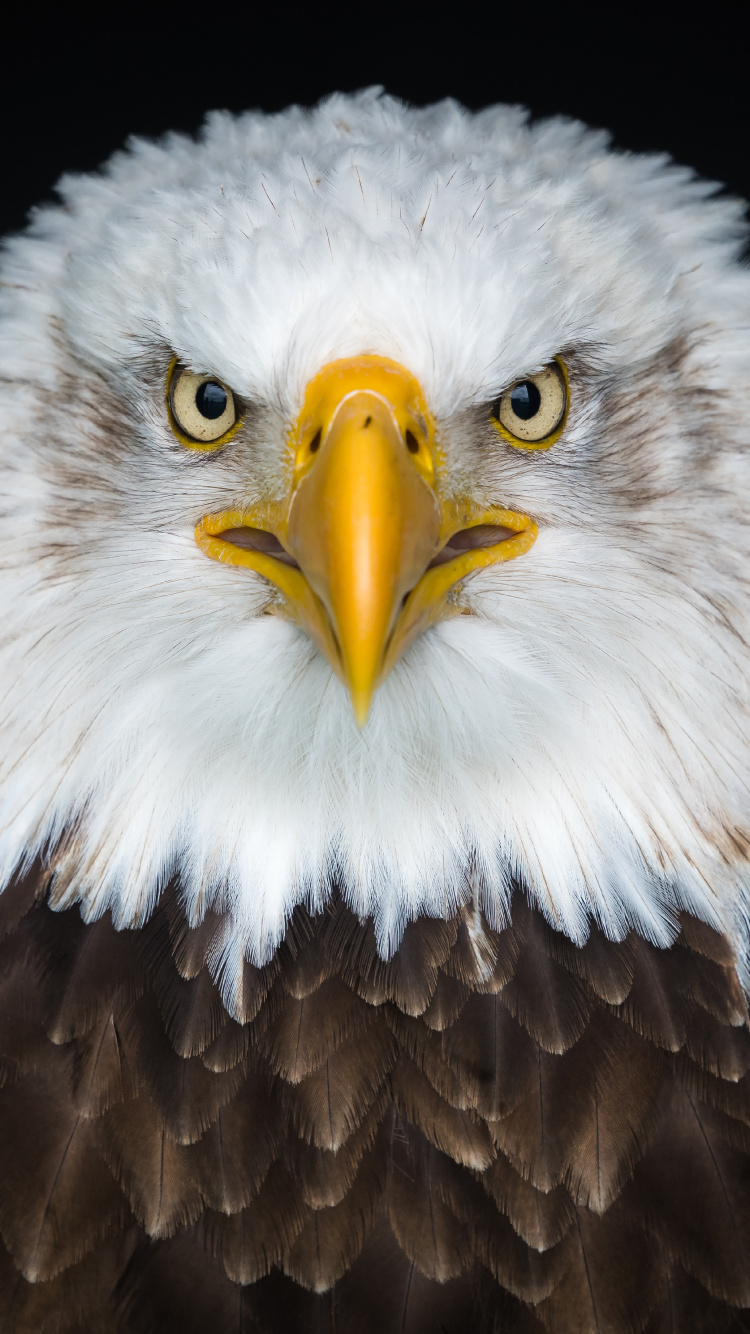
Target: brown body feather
493,1131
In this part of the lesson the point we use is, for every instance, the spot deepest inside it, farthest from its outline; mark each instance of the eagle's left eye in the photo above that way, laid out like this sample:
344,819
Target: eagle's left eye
202,409
531,413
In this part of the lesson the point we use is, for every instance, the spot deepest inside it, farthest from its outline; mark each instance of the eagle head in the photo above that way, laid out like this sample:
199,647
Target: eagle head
373,492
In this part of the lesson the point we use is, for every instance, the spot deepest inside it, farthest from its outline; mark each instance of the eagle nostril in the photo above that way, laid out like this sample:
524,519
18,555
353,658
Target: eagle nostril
367,422
412,444
315,442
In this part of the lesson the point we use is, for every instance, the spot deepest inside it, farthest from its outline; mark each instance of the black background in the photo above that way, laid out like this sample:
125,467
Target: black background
73,89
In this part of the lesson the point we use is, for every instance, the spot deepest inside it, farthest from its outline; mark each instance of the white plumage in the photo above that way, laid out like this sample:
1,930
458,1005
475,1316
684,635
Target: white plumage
586,731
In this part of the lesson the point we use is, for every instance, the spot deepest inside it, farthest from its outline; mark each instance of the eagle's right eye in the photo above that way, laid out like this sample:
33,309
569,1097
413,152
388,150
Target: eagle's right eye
202,410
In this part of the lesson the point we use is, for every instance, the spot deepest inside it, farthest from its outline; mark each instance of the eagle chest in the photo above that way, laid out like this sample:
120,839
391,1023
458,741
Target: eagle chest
492,1130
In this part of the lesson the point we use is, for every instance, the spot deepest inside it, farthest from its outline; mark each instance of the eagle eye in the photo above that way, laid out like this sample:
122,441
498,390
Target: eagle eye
531,413
202,409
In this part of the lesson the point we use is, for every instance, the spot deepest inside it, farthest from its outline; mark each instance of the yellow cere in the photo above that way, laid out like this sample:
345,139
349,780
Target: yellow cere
385,379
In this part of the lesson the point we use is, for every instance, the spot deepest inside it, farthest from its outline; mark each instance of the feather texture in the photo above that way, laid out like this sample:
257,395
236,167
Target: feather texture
547,1157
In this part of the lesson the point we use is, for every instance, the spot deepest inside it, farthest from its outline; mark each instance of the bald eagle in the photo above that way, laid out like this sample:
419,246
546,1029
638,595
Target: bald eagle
374,736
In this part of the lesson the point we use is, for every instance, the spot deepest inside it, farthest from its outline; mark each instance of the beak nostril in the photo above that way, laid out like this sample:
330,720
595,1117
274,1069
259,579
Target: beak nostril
412,444
315,442
367,422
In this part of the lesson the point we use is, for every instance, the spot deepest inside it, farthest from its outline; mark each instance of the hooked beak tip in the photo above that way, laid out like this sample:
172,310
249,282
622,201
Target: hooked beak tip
361,702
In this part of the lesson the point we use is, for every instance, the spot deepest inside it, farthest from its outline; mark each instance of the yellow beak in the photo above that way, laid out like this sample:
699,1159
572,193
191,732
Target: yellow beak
364,524
362,534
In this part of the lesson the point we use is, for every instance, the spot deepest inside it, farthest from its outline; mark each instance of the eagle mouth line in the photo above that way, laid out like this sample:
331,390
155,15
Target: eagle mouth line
497,536
483,535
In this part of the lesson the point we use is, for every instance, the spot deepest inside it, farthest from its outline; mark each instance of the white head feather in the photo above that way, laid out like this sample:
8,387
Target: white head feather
585,733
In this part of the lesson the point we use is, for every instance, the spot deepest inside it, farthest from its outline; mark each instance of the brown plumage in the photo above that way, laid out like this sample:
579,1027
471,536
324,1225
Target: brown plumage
492,1131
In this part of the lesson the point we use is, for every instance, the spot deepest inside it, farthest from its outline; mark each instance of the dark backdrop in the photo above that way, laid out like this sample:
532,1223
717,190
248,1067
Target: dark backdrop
72,90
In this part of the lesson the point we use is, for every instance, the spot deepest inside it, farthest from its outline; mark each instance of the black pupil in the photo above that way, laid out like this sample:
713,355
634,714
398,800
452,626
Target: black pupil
211,400
525,400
